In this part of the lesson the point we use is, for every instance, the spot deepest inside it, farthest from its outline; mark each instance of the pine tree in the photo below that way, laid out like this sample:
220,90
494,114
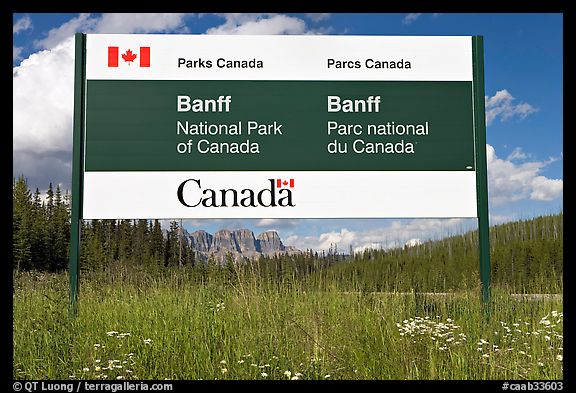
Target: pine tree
140,242
125,241
39,233
173,244
157,243
61,228
21,224
50,227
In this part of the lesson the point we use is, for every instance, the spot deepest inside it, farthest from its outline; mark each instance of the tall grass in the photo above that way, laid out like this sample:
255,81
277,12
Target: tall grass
134,325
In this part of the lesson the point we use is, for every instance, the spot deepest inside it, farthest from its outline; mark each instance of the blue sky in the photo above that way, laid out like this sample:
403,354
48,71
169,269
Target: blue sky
523,86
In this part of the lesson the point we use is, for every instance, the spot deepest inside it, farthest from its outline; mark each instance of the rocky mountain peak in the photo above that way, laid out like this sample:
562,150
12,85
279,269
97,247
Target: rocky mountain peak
224,240
201,241
246,241
270,243
239,244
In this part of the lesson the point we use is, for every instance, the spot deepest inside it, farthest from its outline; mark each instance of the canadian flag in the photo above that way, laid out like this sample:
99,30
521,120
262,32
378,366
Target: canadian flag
128,56
284,183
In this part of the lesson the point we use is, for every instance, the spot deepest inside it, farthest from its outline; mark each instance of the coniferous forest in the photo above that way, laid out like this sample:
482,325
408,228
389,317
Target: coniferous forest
150,307
523,253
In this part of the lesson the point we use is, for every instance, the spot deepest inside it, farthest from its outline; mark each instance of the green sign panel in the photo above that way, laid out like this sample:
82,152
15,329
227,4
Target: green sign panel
279,125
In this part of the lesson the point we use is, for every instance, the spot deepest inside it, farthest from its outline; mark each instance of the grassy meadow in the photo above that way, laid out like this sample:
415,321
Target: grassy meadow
137,325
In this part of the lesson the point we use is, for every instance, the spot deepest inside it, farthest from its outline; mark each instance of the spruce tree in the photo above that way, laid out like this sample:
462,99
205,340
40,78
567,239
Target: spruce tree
39,232
157,243
21,224
61,231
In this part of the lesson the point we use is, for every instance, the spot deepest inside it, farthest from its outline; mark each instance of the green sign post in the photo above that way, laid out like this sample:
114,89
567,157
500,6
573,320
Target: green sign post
481,167
77,171
278,127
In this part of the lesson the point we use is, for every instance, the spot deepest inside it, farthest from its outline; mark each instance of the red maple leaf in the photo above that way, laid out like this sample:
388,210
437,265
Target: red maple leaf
129,56
285,182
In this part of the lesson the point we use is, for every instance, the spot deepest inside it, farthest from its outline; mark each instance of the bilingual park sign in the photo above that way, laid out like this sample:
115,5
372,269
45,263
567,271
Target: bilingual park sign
214,126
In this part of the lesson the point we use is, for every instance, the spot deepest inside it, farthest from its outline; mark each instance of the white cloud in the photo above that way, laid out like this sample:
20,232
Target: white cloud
517,154
277,223
343,238
368,246
114,23
16,51
413,242
259,24
544,189
141,23
42,115
410,18
510,182
81,23
496,219
501,105
22,24
317,17
397,234
43,100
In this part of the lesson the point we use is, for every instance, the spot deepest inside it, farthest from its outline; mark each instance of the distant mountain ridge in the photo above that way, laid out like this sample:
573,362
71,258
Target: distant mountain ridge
239,244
